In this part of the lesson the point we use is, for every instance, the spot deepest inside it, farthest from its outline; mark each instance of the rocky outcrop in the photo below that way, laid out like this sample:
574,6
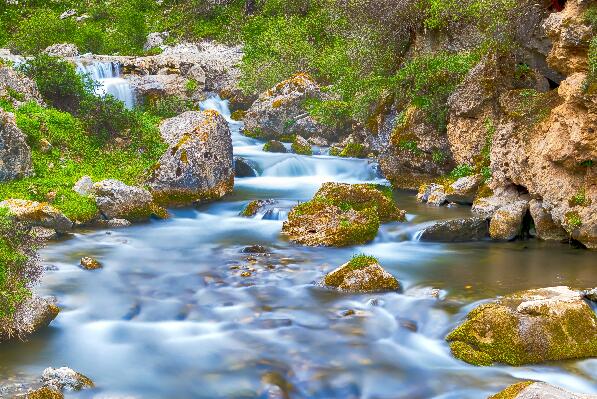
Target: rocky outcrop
507,222
341,215
198,164
464,190
38,214
65,379
62,50
15,154
538,390
534,326
16,87
117,200
457,230
32,315
280,112
361,274
151,87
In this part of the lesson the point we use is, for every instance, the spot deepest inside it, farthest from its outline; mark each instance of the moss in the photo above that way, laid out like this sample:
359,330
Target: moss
353,150
238,115
252,208
483,192
573,219
361,261
580,199
301,147
274,146
335,151
466,352
512,391
45,393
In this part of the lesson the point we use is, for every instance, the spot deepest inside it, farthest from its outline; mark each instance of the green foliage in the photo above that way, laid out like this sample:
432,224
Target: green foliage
168,107
462,170
573,219
411,146
580,199
361,261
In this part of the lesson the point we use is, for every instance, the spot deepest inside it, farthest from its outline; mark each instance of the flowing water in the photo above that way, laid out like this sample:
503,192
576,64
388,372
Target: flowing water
109,79
171,316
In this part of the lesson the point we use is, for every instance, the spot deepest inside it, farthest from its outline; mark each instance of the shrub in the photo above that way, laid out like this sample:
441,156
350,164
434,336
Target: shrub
459,171
42,29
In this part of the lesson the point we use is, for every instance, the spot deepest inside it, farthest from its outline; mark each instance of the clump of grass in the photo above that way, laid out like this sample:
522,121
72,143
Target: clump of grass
361,261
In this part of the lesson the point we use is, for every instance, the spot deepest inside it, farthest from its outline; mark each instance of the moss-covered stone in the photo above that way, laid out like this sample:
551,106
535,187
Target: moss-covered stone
254,206
512,391
529,327
361,274
45,393
301,146
354,150
274,146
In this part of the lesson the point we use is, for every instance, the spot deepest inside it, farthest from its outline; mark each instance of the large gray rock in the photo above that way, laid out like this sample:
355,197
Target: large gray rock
506,222
32,315
155,86
38,214
15,154
198,164
15,84
117,200
457,230
539,390
280,111
64,378
463,190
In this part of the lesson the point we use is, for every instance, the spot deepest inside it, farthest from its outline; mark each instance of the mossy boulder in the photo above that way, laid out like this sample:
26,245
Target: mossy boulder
254,207
361,274
341,215
244,168
15,154
64,378
506,222
537,390
301,146
45,393
38,214
275,146
534,326
117,200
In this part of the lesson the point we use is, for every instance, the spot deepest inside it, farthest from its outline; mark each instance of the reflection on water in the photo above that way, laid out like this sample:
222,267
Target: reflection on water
179,312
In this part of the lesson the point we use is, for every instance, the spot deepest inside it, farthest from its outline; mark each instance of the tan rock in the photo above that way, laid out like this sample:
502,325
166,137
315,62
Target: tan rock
38,214
361,274
545,227
31,316
89,263
538,390
506,222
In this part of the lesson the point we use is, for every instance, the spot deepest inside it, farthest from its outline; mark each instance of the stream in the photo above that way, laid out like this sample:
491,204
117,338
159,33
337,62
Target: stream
179,311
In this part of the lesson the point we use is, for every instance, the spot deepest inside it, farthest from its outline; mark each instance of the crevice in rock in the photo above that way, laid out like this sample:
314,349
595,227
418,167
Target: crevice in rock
528,226
557,5
552,84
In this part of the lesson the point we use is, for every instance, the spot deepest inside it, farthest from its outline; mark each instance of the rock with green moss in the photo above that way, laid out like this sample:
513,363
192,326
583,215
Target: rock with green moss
45,393
64,378
275,146
342,215
301,146
33,315
198,164
361,274
117,200
38,214
537,390
432,194
464,190
255,207
506,222
354,150
15,154
534,326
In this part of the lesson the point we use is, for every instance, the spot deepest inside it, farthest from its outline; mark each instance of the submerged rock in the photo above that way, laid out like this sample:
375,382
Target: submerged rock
31,316
198,164
89,263
361,274
255,206
64,378
432,194
117,200
301,146
506,222
275,146
342,215
243,168
38,214
534,326
537,390
457,230
15,154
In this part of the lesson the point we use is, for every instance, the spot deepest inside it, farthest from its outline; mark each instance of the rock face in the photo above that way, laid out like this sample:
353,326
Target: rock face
534,326
341,215
537,390
149,87
33,315
15,154
16,87
64,378
38,214
545,227
361,276
198,164
457,230
280,111
116,200
506,222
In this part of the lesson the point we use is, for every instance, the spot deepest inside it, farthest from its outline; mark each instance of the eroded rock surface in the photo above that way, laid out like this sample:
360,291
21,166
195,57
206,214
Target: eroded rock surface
117,200
538,390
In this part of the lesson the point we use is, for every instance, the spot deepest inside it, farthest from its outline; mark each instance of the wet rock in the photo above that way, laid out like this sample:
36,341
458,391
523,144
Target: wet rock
457,230
114,223
83,186
254,207
487,205
506,222
62,50
17,88
280,111
274,146
117,200
464,190
432,194
89,263
534,326
537,390
545,227
65,379
198,164
591,295
255,249
301,146
15,154
243,168
31,316
45,393
38,214
342,215
361,274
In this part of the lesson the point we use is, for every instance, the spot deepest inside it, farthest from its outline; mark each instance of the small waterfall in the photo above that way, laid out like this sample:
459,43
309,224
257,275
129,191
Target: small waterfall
108,76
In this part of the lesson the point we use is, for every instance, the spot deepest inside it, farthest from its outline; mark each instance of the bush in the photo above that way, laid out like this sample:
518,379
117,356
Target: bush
42,29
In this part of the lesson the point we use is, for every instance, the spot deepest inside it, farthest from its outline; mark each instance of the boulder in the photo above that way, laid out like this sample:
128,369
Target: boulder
361,274
275,146
301,146
464,190
243,168
457,230
43,234
64,50
545,227
17,88
342,215
117,200
65,379
32,315
280,112
506,222
198,164
148,87
38,214
487,205
83,186
254,207
15,154
88,263
533,326
538,390
432,194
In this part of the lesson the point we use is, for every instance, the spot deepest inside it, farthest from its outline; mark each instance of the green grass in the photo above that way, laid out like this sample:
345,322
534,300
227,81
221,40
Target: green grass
361,261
